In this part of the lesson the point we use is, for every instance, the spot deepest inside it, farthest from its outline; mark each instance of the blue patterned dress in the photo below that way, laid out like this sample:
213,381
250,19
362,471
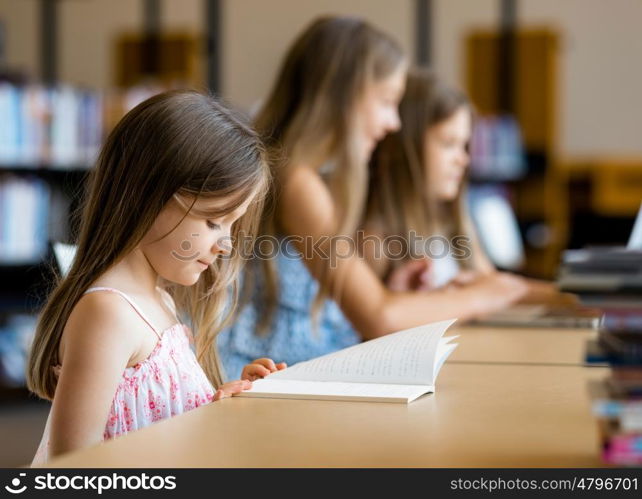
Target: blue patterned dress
291,337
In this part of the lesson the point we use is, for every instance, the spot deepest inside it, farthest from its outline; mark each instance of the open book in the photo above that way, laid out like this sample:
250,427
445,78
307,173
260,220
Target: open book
398,367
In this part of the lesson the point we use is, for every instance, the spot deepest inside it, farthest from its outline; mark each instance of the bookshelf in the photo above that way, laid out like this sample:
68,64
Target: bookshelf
50,138
44,153
537,193
34,120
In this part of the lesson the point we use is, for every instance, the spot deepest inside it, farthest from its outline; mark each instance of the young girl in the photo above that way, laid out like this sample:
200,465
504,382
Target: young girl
335,97
178,178
418,186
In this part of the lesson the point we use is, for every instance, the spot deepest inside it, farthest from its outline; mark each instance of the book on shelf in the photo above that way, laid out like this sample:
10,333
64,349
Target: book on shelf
16,335
497,149
398,367
24,219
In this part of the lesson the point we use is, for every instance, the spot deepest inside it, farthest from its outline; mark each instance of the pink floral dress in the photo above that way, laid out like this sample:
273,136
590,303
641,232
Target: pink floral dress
168,382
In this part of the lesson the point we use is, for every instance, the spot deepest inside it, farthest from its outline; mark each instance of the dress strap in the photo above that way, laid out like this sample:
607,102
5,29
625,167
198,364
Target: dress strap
130,301
168,302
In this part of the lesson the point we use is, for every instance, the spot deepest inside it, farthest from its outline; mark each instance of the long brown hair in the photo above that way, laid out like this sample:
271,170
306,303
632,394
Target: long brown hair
398,200
179,142
308,115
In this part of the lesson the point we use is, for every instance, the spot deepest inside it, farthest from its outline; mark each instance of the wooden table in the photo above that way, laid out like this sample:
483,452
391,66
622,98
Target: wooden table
482,415
520,345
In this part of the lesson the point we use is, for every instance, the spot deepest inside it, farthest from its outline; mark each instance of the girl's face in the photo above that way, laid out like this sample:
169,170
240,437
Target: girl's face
181,253
446,155
377,113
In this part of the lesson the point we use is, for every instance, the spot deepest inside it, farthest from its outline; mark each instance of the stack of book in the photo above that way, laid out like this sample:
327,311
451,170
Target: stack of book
611,279
617,405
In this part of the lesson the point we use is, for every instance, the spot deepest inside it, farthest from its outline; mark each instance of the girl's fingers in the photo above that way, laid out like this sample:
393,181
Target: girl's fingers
240,385
424,263
253,371
259,370
236,386
267,363
232,388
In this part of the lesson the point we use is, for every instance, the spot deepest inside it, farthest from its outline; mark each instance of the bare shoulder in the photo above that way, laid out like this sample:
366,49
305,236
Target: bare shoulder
306,205
99,338
101,323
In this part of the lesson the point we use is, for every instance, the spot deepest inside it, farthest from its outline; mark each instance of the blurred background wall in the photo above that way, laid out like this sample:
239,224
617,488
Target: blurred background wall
599,75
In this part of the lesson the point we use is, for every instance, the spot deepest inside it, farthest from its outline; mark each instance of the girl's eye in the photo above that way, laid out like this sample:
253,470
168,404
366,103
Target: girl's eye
213,225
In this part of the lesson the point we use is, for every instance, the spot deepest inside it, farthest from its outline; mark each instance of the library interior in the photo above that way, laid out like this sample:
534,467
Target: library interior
554,187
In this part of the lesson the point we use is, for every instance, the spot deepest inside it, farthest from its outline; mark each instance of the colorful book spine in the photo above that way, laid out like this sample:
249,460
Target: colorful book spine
623,450
24,214
624,319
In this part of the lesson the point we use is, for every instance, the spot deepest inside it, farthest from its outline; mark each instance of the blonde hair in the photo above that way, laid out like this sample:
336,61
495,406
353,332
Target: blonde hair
307,119
398,199
179,142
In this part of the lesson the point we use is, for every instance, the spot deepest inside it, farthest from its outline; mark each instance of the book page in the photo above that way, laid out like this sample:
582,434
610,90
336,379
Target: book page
333,390
406,357
443,351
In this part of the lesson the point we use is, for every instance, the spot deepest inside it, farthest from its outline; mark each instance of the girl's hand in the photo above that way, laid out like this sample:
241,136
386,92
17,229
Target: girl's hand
260,368
411,276
232,388
466,277
548,293
497,291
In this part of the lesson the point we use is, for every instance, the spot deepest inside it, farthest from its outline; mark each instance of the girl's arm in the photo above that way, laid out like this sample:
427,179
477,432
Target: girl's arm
307,210
372,251
545,292
413,275
98,343
537,291
481,262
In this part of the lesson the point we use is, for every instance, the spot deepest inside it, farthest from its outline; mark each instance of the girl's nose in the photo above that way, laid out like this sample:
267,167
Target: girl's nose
395,122
463,158
222,246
